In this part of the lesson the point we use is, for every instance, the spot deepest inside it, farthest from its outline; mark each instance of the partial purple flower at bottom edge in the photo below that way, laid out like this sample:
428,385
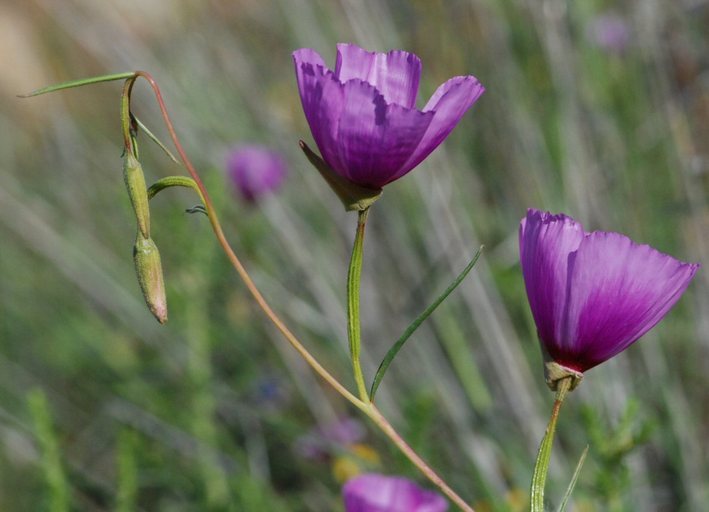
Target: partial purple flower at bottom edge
593,294
255,171
363,113
379,493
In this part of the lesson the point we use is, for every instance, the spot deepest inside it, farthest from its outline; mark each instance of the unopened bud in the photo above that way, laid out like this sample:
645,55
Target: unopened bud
149,271
138,192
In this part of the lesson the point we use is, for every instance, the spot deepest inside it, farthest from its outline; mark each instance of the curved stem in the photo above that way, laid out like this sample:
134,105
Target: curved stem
541,467
376,416
231,255
366,407
353,321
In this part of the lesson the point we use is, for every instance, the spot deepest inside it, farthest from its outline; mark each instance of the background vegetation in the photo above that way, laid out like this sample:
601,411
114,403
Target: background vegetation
103,409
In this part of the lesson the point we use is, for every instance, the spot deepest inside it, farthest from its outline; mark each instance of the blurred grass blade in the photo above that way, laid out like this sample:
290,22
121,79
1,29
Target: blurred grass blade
394,350
574,478
58,488
78,83
156,140
127,472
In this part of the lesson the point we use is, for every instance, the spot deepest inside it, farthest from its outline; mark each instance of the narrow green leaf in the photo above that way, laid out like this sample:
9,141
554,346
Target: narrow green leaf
394,350
78,83
574,478
156,140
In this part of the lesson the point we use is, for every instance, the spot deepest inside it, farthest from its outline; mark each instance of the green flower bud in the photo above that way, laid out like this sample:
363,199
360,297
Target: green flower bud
149,270
138,192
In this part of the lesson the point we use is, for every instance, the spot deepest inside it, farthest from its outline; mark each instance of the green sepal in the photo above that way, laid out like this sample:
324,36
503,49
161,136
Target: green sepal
554,372
148,268
354,197
394,350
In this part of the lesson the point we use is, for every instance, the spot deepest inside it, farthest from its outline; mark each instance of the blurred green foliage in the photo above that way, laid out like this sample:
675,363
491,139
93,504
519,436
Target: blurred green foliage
207,412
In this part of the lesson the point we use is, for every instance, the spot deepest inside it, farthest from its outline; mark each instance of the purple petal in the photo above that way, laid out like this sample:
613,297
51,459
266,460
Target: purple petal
379,493
450,101
306,60
322,97
545,242
618,291
395,74
374,138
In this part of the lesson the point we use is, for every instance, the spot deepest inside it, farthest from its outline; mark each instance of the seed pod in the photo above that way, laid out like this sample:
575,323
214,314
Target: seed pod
149,270
138,192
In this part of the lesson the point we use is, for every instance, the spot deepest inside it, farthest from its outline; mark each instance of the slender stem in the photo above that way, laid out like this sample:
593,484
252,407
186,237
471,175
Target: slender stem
541,467
231,255
365,406
354,331
376,416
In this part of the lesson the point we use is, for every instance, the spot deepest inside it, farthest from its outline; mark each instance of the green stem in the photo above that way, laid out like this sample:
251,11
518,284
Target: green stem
364,405
353,322
541,467
173,181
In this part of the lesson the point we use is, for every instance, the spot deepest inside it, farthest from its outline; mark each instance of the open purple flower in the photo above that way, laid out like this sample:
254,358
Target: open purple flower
363,115
255,171
593,294
379,493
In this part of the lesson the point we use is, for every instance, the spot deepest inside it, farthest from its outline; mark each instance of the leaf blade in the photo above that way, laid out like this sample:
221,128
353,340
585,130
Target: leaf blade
78,83
394,350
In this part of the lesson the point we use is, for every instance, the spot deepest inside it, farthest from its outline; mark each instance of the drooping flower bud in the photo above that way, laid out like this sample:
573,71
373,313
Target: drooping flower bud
138,192
149,271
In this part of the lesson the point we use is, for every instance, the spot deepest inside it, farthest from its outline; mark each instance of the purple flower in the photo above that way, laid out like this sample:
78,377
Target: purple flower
363,115
609,32
379,493
320,441
255,171
593,294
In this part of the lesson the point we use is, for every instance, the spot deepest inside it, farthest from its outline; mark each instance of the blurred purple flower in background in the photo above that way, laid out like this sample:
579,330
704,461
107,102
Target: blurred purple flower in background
593,294
320,441
255,171
378,493
610,32
363,114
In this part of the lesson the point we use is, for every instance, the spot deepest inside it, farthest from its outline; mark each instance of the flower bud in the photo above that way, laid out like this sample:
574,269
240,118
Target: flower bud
138,192
149,270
